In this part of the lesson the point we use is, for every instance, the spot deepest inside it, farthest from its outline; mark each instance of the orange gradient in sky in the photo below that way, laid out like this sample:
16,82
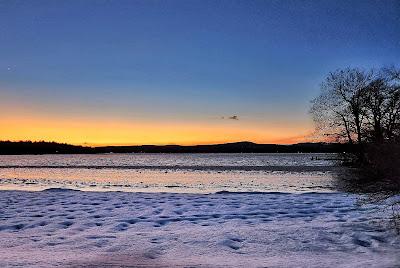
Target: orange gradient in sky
86,131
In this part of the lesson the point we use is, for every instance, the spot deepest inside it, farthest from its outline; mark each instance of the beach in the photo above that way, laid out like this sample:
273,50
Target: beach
188,210
65,228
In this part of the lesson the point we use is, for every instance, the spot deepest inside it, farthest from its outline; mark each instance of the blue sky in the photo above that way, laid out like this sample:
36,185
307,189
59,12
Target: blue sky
186,61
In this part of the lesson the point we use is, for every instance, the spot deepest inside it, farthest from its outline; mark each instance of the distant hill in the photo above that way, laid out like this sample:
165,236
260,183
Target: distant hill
41,147
28,147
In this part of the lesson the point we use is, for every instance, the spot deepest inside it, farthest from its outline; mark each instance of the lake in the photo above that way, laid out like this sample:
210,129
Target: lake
192,173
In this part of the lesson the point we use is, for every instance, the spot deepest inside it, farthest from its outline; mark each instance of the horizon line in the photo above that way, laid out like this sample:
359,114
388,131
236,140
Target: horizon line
91,145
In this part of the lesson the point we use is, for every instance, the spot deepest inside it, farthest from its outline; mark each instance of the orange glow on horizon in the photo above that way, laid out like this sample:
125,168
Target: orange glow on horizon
96,132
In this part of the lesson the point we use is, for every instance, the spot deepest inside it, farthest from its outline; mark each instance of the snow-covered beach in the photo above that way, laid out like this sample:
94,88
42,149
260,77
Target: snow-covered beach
187,211
64,228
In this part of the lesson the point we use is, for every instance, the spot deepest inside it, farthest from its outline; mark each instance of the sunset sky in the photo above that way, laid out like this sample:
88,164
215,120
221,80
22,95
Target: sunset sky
180,72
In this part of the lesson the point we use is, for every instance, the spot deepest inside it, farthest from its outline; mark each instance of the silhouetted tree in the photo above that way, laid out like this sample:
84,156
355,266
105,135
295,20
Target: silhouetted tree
363,109
339,110
392,123
358,106
382,107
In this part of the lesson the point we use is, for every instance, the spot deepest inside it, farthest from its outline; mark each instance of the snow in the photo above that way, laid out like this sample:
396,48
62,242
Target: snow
65,228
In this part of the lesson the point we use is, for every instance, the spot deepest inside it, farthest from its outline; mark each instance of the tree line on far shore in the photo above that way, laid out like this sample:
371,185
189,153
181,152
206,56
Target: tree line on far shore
42,147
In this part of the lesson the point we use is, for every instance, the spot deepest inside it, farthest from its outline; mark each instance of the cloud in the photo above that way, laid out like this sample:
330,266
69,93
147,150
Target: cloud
232,117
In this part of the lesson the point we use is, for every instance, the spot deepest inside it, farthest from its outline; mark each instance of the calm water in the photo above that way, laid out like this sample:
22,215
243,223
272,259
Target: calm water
171,172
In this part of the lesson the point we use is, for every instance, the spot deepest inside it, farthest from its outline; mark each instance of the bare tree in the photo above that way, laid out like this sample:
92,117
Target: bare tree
382,107
375,105
339,109
363,108
392,109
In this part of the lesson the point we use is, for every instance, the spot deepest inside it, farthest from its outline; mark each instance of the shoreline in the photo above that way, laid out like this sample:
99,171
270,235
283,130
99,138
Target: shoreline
223,192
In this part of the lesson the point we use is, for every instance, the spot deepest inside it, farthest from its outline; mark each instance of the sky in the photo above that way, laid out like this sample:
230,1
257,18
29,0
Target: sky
180,72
